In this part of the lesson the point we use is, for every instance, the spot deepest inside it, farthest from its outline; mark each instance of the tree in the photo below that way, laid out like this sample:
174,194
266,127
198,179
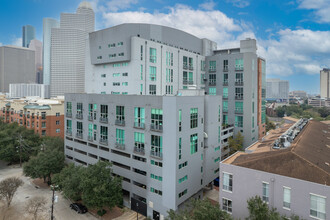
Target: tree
280,111
236,143
52,143
199,209
99,188
269,125
44,165
36,206
324,112
8,188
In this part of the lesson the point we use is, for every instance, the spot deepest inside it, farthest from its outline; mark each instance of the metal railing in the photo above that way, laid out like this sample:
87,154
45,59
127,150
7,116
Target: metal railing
79,135
212,82
104,120
104,141
90,117
212,69
68,132
238,110
156,154
191,67
120,146
79,116
239,83
139,150
90,138
156,127
225,83
139,125
188,82
120,122
225,68
239,97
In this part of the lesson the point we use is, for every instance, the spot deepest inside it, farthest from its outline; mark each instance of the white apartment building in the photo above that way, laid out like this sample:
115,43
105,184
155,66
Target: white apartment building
277,89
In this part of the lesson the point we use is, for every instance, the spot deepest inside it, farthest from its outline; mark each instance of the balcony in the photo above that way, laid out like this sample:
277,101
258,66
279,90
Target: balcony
239,68
104,141
120,146
188,82
68,133
139,125
225,110
185,66
212,69
239,97
79,135
239,83
225,69
191,67
90,138
154,127
158,155
225,83
239,124
212,83
104,120
120,122
90,117
238,110
79,116
139,150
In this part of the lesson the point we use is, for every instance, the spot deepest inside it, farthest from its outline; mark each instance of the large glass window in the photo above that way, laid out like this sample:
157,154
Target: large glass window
191,65
265,192
212,79
169,75
225,119
212,65
69,107
139,117
225,79
120,136
193,117
152,73
156,146
225,106
120,113
239,79
153,55
185,62
180,146
238,121
239,64
104,133
238,93
212,91
238,107
318,205
286,197
180,119
69,125
193,143
104,111
79,108
152,89
157,119
225,92
139,141
227,182
79,127
227,205
225,65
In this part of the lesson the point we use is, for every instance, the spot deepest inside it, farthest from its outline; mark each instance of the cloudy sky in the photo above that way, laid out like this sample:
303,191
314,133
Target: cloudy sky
293,36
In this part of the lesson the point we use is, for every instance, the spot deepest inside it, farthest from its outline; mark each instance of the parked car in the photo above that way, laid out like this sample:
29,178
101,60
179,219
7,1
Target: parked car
81,209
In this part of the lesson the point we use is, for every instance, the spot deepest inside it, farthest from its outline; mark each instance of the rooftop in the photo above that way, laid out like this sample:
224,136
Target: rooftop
308,158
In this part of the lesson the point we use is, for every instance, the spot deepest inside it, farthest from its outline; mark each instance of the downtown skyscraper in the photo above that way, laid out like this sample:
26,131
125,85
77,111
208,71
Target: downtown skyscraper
28,34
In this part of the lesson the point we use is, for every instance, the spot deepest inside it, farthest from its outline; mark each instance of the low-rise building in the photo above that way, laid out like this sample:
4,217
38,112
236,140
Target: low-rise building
166,148
319,102
44,116
20,90
295,180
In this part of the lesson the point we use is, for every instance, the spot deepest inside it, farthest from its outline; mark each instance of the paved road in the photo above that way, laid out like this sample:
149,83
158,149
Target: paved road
62,210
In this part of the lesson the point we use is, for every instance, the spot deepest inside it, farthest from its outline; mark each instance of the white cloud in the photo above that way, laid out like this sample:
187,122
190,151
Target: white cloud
0,44
239,3
321,9
209,5
16,41
115,5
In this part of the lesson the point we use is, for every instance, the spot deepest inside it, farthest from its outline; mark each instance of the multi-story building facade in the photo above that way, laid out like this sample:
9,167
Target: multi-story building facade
36,45
44,116
166,148
145,59
17,66
48,24
295,180
325,83
234,74
21,90
68,45
28,34
298,94
277,89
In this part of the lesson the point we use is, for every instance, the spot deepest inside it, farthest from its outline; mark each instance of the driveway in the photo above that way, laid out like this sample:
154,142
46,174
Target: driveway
16,211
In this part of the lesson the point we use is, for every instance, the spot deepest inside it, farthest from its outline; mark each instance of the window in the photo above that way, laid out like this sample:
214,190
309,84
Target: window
182,165
180,146
116,83
169,59
79,127
225,79
120,136
153,176
112,55
185,62
156,146
69,125
183,179
139,117
116,74
99,57
43,115
191,65
202,65
141,51
159,192
121,54
239,79
57,114
238,93
103,75
43,132
104,111
225,106
125,74
184,192
212,91
58,130
265,192
152,89
104,84
139,142
202,78
227,205
104,133
225,92
318,204
193,117
212,65
120,44
141,72
43,124
153,55
219,134
286,197
180,119
79,108
90,131
169,75
216,159
156,119
238,107
191,78
225,65
239,64
156,163
111,45
193,143
212,79
120,113
239,121
227,182
152,73
169,89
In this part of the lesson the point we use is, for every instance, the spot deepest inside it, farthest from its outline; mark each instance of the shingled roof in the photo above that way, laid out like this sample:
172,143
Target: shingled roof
308,158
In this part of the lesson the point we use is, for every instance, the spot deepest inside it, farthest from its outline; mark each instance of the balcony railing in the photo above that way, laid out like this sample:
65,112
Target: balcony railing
225,68
79,135
225,83
90,138
120,122
104,120
212,82
187,82
139,150
191,67
120,146
238,110
68,132
79,116
239,124
225,110
239,68
156,127
185,66
212,69
139,125
239,83
90,117
156,154
239,97
104,141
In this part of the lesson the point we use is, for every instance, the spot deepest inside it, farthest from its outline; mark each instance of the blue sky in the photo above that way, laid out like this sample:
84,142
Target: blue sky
294,36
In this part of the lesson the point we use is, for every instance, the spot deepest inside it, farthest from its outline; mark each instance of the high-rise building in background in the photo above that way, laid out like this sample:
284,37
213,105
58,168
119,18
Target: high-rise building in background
28,34
17,65
20,90
68,46
36,45
236,75
48,24
277,89
325,83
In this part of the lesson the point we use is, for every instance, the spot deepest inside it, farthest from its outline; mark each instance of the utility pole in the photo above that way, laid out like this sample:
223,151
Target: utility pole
53,200
20,150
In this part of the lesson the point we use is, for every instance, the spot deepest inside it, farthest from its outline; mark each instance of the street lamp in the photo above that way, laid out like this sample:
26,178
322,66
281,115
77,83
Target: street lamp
54,199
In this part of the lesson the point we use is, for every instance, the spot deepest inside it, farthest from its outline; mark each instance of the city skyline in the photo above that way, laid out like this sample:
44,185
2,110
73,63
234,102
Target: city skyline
292,36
